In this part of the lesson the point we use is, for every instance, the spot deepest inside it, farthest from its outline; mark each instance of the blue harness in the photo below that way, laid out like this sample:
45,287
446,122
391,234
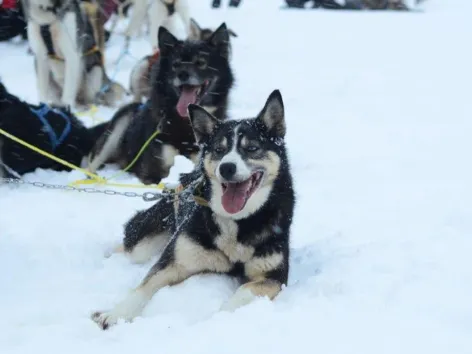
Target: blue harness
41,113
142,106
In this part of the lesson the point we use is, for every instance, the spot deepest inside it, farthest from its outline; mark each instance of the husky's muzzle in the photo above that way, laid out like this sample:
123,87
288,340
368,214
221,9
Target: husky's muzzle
190,89
237,187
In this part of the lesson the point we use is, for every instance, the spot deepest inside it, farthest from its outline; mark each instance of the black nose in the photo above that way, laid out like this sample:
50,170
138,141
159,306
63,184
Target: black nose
183,76
227,170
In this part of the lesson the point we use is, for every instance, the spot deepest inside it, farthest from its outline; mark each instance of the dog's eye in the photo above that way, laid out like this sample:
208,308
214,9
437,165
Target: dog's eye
219,150
176,64
201,63
252,148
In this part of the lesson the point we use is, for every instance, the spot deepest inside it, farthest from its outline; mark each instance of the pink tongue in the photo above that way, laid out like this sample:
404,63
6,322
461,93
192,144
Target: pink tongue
234,197
188,96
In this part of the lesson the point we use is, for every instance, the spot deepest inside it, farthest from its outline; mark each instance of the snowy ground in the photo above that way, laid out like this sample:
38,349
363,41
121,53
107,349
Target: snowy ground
379,122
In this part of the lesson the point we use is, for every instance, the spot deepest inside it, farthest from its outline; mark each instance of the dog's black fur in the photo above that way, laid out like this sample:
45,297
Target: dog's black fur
178,60
17,119
251,244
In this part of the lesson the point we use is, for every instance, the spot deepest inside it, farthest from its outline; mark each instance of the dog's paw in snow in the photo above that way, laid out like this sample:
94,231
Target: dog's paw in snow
241,298
118,248
104,319
128,309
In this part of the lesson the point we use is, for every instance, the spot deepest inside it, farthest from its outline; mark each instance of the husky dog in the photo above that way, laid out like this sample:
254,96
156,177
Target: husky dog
384,4
68,60
140,78
352,4
55,131
242,231
161,13
187,72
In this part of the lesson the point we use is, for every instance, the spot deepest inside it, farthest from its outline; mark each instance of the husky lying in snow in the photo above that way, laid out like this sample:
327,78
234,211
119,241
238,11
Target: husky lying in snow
352,4
243,230
56,131
66,42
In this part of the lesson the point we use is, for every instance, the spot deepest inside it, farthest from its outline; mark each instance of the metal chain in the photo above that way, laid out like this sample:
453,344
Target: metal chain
146,196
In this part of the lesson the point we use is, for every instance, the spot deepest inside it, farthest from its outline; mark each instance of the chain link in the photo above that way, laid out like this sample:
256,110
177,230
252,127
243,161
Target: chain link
146,196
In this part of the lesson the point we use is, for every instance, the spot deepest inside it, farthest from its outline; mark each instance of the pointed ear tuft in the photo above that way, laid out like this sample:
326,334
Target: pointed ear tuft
195,30
203,123
220,39
273,115
166,40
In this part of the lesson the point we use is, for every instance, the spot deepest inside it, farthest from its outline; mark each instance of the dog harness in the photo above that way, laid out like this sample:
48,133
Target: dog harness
151,60
45,31
42,113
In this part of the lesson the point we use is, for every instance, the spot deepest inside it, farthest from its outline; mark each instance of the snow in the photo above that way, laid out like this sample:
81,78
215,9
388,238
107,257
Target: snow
378,113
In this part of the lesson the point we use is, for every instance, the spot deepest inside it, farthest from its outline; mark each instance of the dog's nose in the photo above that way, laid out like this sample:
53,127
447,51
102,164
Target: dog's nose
227,170
183,75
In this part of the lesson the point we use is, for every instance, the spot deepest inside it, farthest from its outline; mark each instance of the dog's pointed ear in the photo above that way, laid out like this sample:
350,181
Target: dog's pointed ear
166,40
220,39
203,123
273,115
195,30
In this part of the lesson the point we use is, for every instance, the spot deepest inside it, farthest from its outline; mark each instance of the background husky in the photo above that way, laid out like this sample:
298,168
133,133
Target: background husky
68,59
140,78
187,72
161,13
352,4
56,131
244,231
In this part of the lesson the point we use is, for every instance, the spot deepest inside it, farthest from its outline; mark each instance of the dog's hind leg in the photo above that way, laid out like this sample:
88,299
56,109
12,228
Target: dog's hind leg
181,6
249,292
40,61
158,14
72,54
93,84
182,258
147,232
137,17
108,143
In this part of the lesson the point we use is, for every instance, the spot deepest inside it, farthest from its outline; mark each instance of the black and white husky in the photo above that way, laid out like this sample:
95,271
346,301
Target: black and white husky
243,228
140,78
68,55
187,72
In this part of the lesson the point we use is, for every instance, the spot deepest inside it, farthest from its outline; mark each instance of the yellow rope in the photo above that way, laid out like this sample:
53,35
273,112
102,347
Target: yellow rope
138,155
92,112
94,178
52,157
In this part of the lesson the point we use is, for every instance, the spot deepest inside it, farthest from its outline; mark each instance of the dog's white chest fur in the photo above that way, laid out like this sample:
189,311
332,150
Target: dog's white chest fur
227,241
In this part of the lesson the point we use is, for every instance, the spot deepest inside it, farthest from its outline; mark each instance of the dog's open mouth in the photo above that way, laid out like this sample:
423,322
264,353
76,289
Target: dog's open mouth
190,94
236,194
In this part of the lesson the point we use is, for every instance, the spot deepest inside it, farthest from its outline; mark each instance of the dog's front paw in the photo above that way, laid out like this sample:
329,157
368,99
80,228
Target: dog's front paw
104,319
117,248
128,309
